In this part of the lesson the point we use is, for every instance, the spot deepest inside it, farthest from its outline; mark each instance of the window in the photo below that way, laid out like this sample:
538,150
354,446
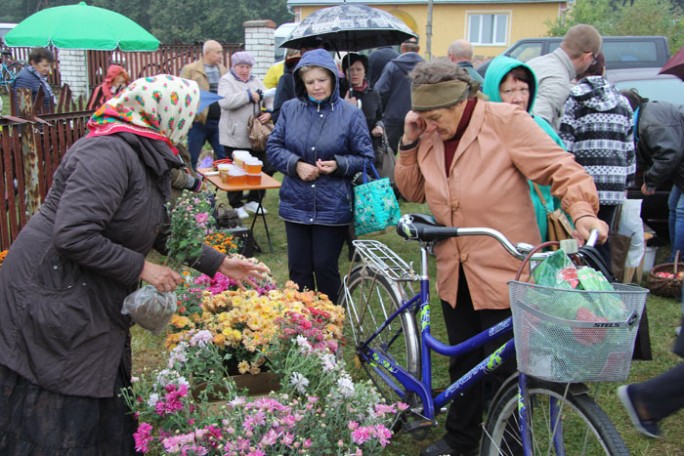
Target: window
488,29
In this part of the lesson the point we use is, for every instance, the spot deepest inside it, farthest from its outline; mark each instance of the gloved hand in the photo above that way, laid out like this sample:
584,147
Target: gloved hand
194,184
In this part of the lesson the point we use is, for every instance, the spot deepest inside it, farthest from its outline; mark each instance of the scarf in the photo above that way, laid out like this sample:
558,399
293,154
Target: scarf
160,107
49,94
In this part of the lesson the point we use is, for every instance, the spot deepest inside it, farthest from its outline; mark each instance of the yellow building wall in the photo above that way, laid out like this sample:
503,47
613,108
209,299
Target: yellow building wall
449,22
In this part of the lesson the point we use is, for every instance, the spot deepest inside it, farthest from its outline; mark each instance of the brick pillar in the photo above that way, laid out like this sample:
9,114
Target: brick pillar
260,43
73,68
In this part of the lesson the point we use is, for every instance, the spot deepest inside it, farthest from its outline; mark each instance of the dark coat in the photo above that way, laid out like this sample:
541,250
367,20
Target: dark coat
660,146
308,131
28,80
371,105
377,60
65,277
394,87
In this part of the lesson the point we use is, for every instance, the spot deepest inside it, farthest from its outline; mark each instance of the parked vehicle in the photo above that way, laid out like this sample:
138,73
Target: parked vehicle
621,52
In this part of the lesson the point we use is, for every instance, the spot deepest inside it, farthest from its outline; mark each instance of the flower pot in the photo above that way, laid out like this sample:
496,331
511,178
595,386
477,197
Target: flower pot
255,385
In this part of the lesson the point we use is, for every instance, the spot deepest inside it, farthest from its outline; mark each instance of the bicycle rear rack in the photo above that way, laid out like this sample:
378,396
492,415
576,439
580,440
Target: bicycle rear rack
384,260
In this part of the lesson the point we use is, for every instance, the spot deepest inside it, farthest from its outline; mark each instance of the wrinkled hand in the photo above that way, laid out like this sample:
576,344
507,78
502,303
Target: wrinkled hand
647,190
377,131
160,277
414,126
327,166
265,117
307,172
584,226
242,271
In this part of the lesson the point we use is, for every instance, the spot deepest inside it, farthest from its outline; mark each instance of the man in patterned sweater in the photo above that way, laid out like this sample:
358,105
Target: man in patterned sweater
596,127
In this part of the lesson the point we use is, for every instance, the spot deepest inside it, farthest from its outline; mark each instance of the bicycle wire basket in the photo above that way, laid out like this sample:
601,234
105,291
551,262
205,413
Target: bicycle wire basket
572,336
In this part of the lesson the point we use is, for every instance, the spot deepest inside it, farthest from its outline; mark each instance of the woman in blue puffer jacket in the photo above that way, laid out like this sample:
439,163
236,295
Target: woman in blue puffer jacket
319,144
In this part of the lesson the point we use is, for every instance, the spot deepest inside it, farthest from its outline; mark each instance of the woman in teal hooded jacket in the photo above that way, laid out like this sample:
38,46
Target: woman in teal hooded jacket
511,81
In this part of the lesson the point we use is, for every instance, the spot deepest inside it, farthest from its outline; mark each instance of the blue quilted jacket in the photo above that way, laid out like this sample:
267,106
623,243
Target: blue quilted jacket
308,131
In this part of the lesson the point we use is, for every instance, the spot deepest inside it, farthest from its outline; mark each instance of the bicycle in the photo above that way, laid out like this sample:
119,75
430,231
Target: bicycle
8,70
528,415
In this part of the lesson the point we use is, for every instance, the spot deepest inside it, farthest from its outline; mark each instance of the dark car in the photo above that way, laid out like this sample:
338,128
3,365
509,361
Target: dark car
661,87
621,52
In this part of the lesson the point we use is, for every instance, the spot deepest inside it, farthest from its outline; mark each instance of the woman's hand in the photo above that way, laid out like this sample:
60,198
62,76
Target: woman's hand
160,277
647,190
256,98
377,131
585,224
307,172
414,126
351,100
264,117
242,271
327,166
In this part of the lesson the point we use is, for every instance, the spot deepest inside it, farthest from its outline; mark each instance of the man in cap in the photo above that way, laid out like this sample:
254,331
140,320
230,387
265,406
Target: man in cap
206,72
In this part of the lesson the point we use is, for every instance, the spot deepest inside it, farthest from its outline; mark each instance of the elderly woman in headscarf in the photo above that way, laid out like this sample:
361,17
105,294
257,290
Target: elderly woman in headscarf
64,344
115,80
242,94
470,160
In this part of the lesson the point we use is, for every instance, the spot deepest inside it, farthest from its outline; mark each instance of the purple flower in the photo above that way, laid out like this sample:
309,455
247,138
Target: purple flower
201,218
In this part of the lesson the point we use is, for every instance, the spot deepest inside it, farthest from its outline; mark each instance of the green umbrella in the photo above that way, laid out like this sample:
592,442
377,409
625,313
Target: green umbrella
81,27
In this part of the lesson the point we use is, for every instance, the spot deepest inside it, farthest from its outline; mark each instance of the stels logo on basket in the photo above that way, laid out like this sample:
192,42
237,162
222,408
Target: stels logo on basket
606,325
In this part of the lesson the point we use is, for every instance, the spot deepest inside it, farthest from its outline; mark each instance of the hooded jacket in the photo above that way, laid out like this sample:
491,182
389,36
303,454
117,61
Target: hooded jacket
597,128
496,73
394,87
309,131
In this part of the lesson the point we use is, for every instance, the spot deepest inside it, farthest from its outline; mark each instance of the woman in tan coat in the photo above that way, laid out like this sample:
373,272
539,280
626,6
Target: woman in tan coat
470,160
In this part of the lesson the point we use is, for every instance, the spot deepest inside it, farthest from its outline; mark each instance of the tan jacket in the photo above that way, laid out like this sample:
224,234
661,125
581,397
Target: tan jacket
236,107
195,71
487,187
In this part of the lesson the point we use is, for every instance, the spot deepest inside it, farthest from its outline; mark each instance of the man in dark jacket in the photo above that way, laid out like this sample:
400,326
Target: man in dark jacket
34,77
377,61
659,138
394,87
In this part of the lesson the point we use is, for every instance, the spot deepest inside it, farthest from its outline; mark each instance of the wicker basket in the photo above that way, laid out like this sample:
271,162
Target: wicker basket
664,286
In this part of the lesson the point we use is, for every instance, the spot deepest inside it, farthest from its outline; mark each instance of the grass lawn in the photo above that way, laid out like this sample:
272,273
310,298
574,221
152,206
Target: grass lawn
664,315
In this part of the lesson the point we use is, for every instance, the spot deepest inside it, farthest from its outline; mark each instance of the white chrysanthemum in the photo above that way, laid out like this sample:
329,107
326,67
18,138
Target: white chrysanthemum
329,362
201,338
178,355
346,386
299,382
152,401
304,344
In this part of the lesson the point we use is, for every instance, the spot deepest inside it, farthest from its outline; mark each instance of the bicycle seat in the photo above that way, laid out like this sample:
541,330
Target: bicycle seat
421,227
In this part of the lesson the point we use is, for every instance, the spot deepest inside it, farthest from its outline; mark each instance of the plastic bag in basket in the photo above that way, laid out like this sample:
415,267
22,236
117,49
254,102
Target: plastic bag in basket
150,308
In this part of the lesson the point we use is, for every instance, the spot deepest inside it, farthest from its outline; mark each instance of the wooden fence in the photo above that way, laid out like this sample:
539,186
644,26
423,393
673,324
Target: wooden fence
30,150
167,59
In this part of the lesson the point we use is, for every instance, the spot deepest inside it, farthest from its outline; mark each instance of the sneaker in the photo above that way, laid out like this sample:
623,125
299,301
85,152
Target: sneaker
252,206
242,213
647,427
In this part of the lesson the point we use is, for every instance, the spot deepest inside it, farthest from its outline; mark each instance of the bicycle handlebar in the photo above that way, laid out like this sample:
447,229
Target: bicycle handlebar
423,228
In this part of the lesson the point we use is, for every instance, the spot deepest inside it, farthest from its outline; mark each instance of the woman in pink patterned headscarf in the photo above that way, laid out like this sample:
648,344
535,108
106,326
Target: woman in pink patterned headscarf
64,343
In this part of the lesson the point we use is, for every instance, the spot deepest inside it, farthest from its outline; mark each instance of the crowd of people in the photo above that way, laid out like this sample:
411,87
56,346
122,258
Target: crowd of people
500,151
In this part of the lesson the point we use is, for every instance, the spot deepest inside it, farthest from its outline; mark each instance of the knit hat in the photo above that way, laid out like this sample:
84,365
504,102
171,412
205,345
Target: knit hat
242,57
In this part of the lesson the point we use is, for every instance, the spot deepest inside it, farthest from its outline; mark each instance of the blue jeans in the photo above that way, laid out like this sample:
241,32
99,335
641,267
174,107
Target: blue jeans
676,205
199,134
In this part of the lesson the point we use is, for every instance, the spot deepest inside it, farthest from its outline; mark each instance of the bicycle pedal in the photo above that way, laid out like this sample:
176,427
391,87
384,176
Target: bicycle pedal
419,424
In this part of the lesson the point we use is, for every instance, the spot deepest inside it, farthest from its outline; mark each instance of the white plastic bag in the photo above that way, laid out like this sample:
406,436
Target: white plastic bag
150,308
631,225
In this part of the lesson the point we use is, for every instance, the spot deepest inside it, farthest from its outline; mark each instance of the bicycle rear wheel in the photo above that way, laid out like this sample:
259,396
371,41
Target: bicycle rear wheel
369,299
562,422
9,74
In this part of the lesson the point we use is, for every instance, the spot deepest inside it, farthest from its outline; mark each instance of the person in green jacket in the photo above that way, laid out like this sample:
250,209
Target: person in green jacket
511,81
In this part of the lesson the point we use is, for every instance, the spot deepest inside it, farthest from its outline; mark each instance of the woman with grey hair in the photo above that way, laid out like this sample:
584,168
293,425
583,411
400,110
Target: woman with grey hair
470,160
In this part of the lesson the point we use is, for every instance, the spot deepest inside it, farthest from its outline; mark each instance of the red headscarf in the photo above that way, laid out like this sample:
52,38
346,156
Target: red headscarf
112,72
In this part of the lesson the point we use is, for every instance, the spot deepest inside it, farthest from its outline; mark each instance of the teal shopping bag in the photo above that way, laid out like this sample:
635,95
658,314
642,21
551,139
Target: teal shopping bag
375,205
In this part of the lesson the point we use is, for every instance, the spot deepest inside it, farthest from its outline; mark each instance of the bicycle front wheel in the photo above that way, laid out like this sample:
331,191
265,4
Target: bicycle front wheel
9,73
369,298
562,422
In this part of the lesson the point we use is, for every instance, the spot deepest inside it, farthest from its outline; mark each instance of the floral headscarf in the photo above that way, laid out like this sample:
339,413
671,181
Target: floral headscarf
159,107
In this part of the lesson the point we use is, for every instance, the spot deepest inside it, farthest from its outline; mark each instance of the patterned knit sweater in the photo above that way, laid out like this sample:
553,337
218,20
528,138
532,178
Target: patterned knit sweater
596,127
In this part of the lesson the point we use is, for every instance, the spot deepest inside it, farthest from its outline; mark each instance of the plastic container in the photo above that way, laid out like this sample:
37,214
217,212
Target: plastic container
236,176
253,165
253,179
649,258
223,169
239,157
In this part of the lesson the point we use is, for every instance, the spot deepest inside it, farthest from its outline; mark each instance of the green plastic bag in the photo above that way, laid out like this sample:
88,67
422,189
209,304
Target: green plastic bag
375,205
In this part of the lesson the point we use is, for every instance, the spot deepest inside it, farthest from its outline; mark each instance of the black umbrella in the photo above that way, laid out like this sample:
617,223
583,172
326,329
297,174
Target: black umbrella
350,28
